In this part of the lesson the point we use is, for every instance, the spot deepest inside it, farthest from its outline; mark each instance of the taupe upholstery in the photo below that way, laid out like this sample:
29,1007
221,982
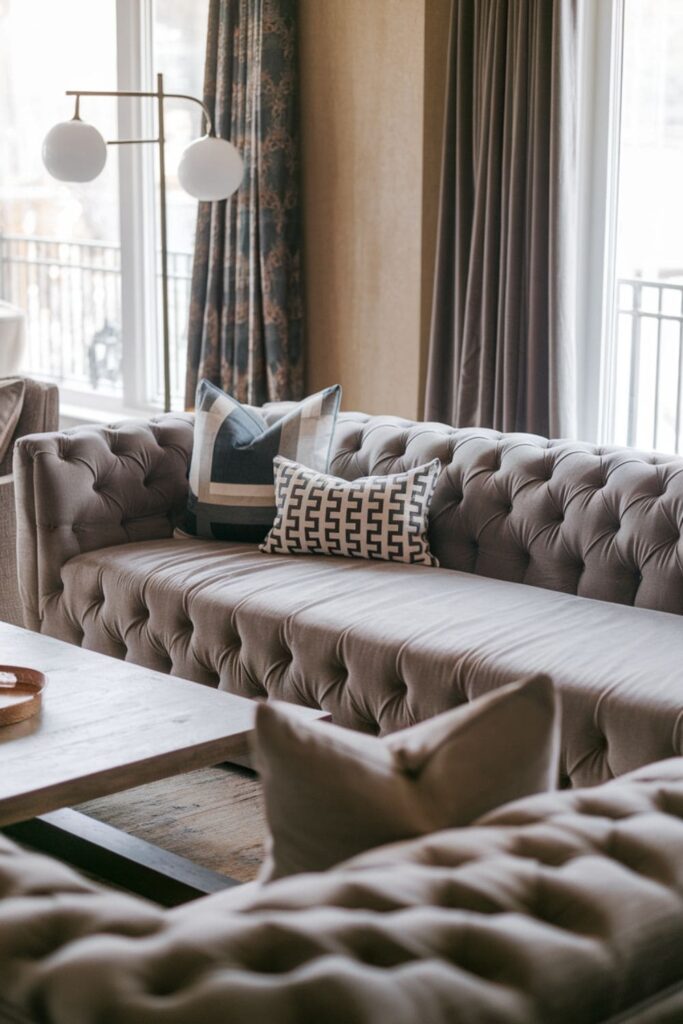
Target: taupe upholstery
382,645
91,487
558,909
39,412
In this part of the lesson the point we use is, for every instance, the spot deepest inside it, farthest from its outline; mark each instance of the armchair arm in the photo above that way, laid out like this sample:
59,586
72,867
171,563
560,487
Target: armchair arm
10,604
93,487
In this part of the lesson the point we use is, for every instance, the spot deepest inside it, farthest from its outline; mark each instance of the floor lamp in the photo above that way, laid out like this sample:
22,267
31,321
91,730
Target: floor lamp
210,169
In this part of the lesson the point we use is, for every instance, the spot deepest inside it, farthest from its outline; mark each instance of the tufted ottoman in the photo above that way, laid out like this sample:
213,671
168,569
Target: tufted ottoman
556,556
565,908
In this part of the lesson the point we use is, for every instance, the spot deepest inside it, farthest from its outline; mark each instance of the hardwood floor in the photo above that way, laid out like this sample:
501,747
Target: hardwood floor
213,816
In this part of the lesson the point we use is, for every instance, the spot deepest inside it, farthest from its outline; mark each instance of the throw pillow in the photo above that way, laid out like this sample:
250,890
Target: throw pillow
373,517
232,493
331,793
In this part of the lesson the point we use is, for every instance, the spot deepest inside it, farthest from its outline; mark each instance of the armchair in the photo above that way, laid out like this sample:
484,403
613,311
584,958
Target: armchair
35,408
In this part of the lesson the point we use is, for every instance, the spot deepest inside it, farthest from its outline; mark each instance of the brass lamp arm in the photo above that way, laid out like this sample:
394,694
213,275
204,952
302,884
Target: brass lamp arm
143,95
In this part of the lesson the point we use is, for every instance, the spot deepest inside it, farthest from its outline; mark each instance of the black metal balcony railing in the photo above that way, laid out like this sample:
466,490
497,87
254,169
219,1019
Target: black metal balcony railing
648,385
71,294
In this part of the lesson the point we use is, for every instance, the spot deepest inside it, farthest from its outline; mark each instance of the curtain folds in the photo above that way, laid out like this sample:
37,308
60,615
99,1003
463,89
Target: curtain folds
502,345
245,330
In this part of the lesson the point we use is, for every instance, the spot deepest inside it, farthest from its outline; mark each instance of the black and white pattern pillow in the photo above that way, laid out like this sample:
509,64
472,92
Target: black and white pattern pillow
374,517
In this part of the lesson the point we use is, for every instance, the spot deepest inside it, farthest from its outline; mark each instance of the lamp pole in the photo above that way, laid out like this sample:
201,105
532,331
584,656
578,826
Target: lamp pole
159,95
164,244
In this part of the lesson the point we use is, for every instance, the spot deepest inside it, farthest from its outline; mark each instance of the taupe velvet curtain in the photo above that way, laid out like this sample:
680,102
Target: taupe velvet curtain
502,346
246,318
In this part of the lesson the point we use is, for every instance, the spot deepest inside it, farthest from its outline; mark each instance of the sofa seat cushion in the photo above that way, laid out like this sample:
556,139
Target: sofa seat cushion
381,645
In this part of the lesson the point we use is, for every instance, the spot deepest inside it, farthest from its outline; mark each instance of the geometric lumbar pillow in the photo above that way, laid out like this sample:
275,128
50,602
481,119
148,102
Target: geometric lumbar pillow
332,793
374,517
232,493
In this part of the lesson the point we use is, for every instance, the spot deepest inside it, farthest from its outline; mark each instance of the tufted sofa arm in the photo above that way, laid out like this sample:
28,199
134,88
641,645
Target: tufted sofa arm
93,487
558,909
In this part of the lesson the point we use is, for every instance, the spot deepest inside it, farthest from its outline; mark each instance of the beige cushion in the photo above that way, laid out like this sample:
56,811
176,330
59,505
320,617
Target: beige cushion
331,793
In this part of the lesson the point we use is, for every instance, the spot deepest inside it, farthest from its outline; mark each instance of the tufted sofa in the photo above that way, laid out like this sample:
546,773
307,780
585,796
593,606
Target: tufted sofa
566,908
556,556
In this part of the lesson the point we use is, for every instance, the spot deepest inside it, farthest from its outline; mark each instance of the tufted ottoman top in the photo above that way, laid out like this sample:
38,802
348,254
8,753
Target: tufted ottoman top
558,909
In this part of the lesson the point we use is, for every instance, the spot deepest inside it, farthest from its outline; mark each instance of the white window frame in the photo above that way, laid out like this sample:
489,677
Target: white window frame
600,65
138,230
137,202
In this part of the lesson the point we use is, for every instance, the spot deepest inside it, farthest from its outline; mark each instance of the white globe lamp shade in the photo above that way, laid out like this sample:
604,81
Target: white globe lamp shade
210,169
74,151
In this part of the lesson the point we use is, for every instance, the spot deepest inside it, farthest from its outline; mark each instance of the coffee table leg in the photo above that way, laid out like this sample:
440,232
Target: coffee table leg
118,858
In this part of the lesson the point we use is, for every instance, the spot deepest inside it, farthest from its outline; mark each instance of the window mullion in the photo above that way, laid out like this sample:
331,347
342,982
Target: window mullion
136,203
598,151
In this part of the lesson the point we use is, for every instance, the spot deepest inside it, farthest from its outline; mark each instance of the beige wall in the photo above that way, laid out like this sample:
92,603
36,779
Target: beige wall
364,90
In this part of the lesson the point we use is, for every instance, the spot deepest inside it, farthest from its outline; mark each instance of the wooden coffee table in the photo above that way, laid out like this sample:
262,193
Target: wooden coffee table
106,726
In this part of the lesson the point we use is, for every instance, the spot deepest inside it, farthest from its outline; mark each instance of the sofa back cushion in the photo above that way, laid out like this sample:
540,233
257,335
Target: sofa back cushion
600,522
604,523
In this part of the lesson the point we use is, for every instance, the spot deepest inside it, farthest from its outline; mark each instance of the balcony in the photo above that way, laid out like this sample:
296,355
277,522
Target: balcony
647,376
71,294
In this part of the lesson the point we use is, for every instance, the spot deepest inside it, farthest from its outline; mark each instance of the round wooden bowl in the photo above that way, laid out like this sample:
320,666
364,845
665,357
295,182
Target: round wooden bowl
24,684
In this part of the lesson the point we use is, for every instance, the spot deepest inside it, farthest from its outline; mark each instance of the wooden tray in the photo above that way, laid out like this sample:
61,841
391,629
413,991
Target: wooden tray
24,687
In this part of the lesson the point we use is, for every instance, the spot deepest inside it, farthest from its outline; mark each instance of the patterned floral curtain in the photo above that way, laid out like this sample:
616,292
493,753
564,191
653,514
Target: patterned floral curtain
246,318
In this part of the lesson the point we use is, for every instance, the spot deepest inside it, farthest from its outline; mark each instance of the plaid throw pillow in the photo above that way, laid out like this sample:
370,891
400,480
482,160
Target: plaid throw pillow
374,517
232,495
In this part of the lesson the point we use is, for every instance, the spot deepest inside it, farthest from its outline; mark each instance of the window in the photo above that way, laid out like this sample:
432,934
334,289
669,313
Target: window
81,260
634,191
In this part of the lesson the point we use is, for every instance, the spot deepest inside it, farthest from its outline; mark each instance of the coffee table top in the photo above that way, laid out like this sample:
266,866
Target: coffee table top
107,725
